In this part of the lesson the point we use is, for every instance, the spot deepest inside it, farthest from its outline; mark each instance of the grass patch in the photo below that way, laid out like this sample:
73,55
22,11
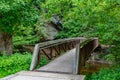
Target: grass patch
16,62
105,74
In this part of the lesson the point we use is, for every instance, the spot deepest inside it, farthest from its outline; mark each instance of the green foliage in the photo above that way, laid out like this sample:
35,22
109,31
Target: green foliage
81,16
16,62
15,13
106,74
110,57
87,18
28,36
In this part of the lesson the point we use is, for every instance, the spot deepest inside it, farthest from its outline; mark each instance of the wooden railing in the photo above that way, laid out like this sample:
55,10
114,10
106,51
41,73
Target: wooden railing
51,49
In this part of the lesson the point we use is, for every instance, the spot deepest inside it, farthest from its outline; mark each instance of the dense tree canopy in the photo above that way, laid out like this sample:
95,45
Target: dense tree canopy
100,18
15,13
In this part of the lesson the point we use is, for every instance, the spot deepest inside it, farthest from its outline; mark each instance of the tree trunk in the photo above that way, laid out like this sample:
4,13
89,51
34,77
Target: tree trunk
6,43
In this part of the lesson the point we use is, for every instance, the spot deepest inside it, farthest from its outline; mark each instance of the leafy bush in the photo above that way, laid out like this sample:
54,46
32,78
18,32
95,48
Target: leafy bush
28,36
16,62
15,13
106,74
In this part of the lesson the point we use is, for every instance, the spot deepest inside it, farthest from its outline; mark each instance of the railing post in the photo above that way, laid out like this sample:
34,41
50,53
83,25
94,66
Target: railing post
76,62
35,57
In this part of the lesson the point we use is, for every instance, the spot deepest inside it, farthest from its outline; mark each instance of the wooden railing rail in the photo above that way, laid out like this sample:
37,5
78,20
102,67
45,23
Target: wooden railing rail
56,42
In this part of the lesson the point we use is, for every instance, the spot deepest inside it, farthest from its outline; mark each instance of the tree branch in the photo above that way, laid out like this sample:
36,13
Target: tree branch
0,15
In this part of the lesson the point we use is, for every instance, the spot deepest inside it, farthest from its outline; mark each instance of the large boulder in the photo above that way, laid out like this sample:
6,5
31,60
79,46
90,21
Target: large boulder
53,27
50,31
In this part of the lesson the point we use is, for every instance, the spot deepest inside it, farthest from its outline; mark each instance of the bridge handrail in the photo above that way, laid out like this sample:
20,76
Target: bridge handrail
56,42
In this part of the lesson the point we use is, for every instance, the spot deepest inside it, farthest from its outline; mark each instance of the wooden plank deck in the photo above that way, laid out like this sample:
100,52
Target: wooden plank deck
63,64
31,75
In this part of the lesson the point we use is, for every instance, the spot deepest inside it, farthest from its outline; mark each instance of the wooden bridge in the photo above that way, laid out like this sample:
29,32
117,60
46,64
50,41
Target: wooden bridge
67,57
